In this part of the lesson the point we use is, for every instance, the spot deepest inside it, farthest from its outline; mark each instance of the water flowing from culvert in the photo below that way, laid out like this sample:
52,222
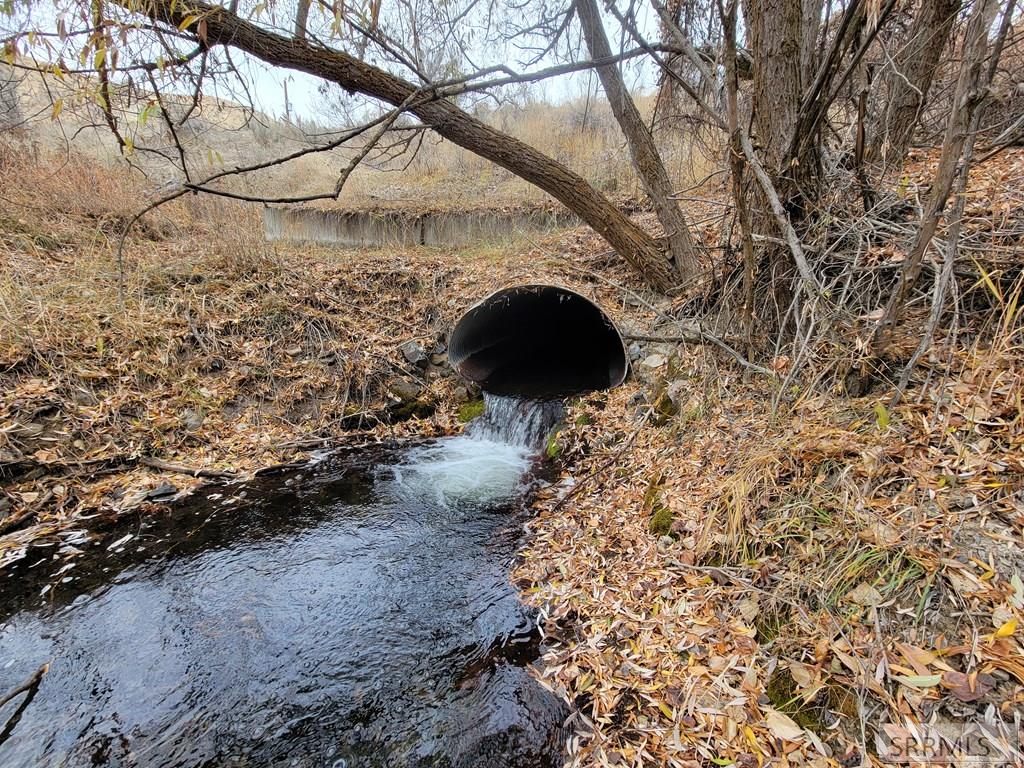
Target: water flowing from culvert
354,612
487,463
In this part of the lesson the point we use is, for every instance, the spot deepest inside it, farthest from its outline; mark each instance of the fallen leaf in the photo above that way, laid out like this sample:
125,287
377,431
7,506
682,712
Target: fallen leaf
918,657
920,681
968,688
1007,629
865,594
782,726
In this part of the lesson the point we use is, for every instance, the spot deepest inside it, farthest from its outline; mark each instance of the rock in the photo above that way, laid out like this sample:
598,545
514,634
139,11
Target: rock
635,350
679,391
414,353
471,410
163,491
411,409
461,394
405,389
654,361
440,348
192,420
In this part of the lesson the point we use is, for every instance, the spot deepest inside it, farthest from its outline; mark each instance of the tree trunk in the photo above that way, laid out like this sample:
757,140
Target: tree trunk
301,19
776,40
776,44
811,25
736,166
969,93
642,150
905,84
223,27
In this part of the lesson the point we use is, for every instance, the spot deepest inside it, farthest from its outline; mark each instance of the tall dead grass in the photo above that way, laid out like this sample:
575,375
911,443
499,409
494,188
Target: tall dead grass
581,134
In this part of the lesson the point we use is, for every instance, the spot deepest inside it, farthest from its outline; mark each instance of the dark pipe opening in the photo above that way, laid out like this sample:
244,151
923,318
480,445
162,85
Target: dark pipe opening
537,341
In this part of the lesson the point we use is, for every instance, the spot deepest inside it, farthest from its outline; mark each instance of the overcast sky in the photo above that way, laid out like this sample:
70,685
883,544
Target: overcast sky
267,85
306,101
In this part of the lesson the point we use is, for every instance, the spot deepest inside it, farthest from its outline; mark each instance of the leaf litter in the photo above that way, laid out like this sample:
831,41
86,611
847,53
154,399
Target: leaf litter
833,573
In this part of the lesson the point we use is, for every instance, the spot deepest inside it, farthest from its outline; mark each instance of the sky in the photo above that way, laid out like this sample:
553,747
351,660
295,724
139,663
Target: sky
306,101
268,85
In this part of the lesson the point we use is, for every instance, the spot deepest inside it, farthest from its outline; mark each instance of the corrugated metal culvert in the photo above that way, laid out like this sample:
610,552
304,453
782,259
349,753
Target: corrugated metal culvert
538,341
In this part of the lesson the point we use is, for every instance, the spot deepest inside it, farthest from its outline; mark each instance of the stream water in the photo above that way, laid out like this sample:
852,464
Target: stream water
354,612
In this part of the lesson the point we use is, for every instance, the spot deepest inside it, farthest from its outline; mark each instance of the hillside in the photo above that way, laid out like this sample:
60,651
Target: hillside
420,170
775,565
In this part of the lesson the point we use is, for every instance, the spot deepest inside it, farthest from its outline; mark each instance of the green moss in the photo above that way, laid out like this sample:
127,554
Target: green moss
661,521
419,409
661,516
554,448
472,409
664,408
842,700
651,494
582,420
784,696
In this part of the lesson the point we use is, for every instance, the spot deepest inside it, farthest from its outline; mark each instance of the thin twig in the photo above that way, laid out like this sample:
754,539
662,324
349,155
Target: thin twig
164,466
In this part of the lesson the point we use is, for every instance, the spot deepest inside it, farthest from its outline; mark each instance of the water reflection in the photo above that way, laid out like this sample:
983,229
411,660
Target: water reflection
337,616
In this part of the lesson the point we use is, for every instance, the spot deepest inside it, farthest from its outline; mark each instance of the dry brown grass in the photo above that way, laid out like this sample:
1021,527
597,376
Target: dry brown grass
834,570
832,562
579,134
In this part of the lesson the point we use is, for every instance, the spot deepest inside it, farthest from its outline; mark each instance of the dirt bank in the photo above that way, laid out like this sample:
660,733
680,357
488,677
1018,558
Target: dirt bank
735,568
217,354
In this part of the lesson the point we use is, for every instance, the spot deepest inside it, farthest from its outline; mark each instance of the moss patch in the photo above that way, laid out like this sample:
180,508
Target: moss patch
553,449
661,521
664,408
784,696
419,409
661,516
472,409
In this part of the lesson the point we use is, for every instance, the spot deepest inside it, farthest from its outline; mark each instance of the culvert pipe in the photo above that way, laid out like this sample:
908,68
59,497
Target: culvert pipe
538,341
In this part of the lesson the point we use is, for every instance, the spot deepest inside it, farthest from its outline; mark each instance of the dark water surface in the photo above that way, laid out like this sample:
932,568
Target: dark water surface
349,614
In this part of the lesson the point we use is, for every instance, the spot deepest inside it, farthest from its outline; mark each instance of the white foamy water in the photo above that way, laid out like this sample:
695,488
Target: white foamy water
486,465
524,423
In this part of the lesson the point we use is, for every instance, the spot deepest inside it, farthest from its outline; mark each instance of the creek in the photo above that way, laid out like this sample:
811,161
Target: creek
353,612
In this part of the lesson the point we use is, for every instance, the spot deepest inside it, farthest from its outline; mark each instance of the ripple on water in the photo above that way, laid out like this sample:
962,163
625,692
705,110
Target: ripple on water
338,616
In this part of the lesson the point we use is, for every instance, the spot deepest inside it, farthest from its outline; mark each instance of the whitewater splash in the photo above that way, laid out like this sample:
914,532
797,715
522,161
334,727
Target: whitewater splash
513,421
488,463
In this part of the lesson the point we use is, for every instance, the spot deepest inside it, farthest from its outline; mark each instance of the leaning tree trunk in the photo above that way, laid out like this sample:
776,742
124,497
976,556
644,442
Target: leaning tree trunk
905,84
644,153
223,27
